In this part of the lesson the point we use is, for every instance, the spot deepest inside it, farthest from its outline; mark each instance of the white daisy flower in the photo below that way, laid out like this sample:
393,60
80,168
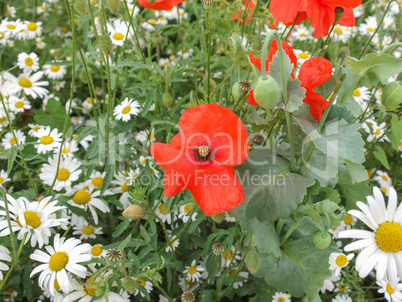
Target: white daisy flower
147,285
342,33
85,141
229,218
28,62
57,297
12,27
301,33
68,172
164,62
3,178
149,25
173,242
68,149
55,72
64,256
232,254
342,298
77,120
145,137
133,175
27,83
11,11
87,104
390,293
32,218
18,104
59,85
189,284
302,56
184,212
30,30
349,221
193,271
9,141
381,247
329,283
337,261
280,297
144,159
118,32
368,27
182,14
383,179
165,214
378,133
4,256
362,95
34,129
241,277
126,109
98,252
86,231
96,179
48,139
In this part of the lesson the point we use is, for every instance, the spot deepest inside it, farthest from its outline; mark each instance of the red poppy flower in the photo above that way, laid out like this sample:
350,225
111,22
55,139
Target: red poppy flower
321,13
248,6
314,72
201,158
160,4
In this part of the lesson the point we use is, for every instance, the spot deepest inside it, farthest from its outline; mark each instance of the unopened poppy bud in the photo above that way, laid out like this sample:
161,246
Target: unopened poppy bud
266,92
188,296
167,100
218,218
338,13
253,261
218,248
236,91
135,212
105,44
113,5
398,24
321,240
129,284
81,7
257,138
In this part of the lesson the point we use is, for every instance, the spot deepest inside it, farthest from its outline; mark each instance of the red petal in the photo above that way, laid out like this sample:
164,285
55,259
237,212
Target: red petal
160,4
348,18
174,183
256,62
250,99
314,72
343,3
217,192
219,127
285,10
169,157
316,102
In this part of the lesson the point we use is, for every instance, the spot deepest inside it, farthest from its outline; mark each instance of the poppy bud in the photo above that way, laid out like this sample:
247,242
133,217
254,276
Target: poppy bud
129,284
167,100
135,212
398,24
236,91
113,5
338,13
321,240
218,218
105,44
253,261
81,6
266,92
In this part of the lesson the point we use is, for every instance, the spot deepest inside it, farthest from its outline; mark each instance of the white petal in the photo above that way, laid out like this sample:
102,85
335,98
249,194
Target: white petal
392,202
381,266
358,234
360,244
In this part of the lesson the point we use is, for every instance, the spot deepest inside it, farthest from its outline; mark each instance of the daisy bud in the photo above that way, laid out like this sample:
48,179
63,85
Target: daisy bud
218,248
253,261
257,138
114,255
129,284
113,5
167,100
338,13
135,212
218,218
266,92
139,193
321,240
188,296
398,24
81,7
105,44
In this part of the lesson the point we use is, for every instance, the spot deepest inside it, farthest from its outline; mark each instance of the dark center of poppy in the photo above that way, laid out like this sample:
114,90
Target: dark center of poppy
202,152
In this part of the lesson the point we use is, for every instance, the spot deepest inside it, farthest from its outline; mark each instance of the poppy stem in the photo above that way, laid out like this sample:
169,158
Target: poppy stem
327,39
290,31
209,57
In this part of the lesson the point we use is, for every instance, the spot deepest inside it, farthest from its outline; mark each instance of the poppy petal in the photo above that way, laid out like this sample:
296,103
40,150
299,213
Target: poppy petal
348,18
174,183
250,98
314,72
217,192
160,4
316,102
343,3
285,10
169,157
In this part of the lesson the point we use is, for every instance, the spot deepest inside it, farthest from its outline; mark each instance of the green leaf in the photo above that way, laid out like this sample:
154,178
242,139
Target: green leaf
11,159
296,94
150,101
121,228
55,117
381,156
391,95
396,131
108,177
266,239
375,68
240,56
123,245
357,172
353,192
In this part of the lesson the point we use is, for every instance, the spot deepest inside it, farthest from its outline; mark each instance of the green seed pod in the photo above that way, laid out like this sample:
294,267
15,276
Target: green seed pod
392,95
253,261
321,240
81,7
236,91
113,5
266,92
129,284
167,100
218,218
105,44
135,212
398,24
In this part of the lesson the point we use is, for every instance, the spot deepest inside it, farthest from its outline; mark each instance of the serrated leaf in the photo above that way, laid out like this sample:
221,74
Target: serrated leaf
392,95
382,157
296,95
357,172
240,56
375,68
353,192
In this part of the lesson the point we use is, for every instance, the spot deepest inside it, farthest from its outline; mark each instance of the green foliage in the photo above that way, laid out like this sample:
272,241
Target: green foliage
54,116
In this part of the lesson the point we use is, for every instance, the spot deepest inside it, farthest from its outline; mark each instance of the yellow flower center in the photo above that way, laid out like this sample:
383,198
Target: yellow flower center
389,237
384,190
233,272
167,63
303,55
1,180
338,31
46,140
390,290
63,174
2,119
36,128
153,22
356,92
81,197
11,26
341,260
88,230
281,299
56,285
303,35
12,141
97,181
126,109
97,250
32,26
370,29
341,287
192,270
19,104
64,30
384,177
348,219
25,83
65,150
90,291
377,132
1,35
58,261
142,282
9,291
228,255
31,218
118,36
28,61
162,208
124,187
187,209
54,68
89,100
